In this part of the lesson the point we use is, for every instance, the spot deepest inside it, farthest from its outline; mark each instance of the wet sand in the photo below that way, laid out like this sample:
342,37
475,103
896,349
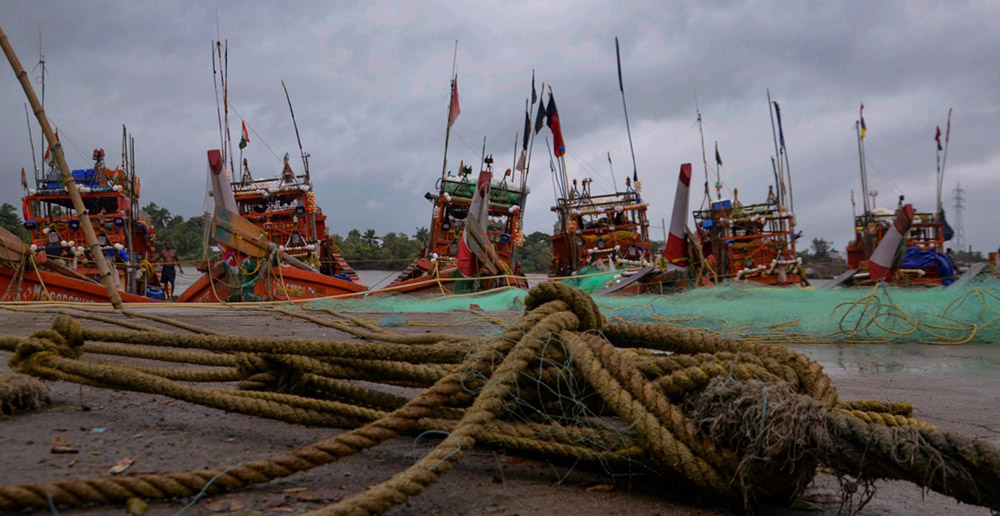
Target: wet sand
955,387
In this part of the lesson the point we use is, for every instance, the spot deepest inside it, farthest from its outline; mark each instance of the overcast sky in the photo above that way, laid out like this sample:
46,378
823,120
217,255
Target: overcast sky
370,86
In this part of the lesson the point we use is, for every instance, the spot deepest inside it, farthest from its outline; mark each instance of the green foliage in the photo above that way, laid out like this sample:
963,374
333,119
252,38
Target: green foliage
11,221
391,251
820,248
536,254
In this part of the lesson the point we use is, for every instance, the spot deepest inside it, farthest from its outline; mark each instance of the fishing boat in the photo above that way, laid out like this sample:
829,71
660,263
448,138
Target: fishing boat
600,242
733,241
111,196
475,222
476,226
274,241
597,233
28,274
880,234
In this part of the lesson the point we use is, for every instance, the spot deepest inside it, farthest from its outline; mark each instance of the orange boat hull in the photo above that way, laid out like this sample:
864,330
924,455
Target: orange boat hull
290,284
49,286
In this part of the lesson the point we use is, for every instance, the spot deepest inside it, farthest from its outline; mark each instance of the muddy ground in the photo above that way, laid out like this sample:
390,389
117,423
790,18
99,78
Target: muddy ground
956,387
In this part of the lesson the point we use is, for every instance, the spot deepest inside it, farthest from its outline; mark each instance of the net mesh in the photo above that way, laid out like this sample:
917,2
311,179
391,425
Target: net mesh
965,312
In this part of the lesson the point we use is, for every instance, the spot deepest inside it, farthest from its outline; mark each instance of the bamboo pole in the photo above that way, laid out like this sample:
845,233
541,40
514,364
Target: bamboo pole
64,172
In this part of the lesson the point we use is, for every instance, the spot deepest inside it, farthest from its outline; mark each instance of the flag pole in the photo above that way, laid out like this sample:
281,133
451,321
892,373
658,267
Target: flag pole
451,104
74,193
944,159
531,145
861,166
628,128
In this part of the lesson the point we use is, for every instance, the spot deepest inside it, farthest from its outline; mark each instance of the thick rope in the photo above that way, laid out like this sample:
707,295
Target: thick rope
545,386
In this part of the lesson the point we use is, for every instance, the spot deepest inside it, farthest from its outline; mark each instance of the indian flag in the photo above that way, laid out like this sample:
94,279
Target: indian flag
245,139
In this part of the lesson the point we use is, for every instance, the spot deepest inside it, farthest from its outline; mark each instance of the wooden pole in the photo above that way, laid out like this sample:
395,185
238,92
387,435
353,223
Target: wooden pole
64,172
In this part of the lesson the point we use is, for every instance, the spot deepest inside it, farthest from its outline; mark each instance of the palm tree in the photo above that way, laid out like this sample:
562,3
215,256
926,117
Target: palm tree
422,235
370,238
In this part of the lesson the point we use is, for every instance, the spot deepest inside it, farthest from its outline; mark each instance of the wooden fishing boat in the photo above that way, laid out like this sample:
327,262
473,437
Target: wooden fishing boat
476,227
754,242
111,196
274,241
602,240
903,247
600,232
273,236
29,275
733,241
492,238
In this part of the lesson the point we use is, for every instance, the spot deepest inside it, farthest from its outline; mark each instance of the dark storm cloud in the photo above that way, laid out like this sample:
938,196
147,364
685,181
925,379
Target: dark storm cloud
370,85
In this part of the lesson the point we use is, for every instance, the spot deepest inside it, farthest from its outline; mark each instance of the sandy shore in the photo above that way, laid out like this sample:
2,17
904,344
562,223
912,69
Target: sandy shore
957,388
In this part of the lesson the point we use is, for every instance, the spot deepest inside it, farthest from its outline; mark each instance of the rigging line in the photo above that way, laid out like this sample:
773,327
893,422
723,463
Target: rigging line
471,148
70,140
255,133
883,177
594,172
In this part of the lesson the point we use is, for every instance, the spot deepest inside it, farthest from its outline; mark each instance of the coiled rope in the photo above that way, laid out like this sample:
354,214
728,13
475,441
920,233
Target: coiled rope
684,404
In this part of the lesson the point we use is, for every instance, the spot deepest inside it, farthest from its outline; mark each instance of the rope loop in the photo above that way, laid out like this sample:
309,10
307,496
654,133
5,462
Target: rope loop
582,305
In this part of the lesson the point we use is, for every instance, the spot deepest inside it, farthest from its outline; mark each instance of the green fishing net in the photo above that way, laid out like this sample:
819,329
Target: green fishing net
968,311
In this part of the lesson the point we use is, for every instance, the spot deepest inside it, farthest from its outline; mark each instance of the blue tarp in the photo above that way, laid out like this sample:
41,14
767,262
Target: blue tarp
917,258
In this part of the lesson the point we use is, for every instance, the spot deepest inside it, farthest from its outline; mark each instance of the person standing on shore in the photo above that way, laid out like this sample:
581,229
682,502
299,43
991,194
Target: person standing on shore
168,275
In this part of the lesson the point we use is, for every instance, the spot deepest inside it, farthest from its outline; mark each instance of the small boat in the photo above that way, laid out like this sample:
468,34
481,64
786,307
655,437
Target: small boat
600,242
481,220
879,235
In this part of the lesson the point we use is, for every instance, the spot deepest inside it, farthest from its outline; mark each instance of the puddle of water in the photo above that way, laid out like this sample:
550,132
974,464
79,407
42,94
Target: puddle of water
906,359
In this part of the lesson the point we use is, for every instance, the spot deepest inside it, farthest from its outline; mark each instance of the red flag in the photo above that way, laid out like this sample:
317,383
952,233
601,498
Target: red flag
937,138
48,151
24,178
454,111
718,157
557,138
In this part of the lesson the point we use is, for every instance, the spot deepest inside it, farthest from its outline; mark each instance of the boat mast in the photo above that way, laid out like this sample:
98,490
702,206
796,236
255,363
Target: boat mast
66,176
777,156
130,275
451,105
31,140
41,68
305,157
704,160
861,165
628,128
